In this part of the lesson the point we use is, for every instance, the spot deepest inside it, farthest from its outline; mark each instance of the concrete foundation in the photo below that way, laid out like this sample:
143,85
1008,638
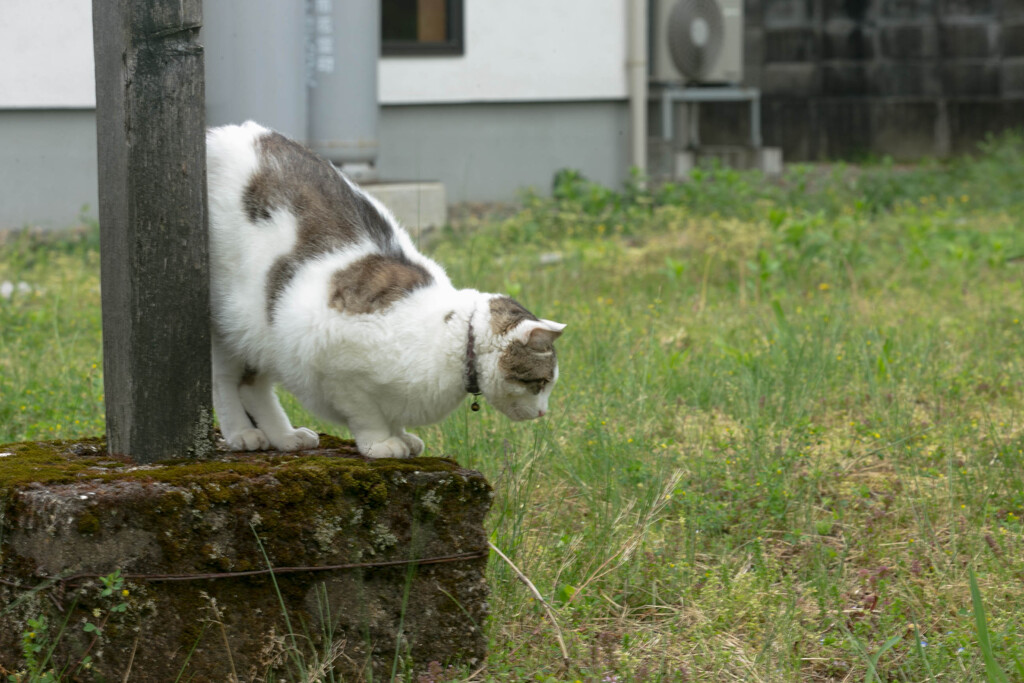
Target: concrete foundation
669,163
380,564
418,206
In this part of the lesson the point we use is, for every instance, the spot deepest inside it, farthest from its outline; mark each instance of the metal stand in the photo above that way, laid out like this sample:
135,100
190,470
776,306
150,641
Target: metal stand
693,96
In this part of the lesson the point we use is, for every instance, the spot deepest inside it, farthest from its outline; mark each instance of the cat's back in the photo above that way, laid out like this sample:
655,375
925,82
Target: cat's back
283,219
269,188
257,176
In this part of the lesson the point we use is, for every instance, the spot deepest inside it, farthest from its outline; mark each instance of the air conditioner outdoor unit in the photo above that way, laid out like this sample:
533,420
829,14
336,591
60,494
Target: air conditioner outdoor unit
697,42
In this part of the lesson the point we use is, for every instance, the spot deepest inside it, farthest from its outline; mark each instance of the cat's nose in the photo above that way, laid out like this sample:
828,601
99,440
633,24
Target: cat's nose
541,413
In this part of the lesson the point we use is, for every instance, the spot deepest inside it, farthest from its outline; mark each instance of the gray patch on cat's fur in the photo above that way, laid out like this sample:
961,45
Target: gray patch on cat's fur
506,313
248,376
330,214
375,282
531,367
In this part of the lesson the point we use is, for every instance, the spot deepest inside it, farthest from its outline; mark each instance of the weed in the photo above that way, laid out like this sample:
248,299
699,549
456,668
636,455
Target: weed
790,418
39,641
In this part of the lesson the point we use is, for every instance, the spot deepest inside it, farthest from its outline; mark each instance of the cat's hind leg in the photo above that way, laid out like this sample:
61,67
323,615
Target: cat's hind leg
235,425
374,436
260,401
388,447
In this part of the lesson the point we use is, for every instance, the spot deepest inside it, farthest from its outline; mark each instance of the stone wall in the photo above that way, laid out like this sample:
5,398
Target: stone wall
906,78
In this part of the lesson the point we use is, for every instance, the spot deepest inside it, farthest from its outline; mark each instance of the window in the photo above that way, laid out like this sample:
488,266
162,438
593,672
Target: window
421,27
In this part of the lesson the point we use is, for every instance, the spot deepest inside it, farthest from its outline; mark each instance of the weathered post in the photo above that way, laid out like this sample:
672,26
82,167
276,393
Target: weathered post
384,560
152,207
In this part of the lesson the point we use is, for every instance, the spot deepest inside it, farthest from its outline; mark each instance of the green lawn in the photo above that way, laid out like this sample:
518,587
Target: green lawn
789,424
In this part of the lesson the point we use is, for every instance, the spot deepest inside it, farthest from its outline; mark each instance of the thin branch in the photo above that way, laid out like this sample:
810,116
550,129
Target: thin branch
536,594
131,660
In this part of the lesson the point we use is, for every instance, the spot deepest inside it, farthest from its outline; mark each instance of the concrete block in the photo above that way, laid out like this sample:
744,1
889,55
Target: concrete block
844,127
724,123
967,8
661,158
855,10
788,123
766,159
907,9
753,12
904,129
683,164
905,79
418,206
1013,39
753,55
729,156
70,510
792,44
845,79
963,40
970,79
1012,77
799,80
847,40
788,12
970,120
753,46
908,41
752,75
769,161
1013,9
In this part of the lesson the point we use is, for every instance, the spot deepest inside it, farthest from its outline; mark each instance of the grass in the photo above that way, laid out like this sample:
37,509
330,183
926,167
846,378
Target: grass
788,439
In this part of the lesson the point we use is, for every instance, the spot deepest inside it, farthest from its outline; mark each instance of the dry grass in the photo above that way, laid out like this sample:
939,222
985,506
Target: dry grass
788,423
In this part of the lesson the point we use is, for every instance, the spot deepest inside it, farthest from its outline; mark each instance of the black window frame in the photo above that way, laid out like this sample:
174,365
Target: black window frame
454,46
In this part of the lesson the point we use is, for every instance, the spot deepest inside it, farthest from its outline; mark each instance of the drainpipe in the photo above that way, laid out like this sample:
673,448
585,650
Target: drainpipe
343,112
636,73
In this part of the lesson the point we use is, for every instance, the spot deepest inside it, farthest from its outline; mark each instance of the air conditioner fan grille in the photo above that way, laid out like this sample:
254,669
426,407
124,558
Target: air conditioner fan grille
696,30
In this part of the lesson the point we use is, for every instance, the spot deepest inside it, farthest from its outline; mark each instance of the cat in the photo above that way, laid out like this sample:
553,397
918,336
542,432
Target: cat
316,287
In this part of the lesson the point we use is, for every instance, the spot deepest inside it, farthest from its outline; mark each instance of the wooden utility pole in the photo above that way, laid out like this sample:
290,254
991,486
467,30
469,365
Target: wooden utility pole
150,120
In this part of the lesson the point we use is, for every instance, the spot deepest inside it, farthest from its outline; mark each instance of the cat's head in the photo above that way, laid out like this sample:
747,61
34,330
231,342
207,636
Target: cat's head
520,367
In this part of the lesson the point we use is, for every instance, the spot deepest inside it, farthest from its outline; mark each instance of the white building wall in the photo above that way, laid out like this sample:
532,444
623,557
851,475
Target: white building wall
515,51
521,50
541,86
46,54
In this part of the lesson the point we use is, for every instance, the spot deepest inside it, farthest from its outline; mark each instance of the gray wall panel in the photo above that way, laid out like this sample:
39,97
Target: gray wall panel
47,167
487,152
481,152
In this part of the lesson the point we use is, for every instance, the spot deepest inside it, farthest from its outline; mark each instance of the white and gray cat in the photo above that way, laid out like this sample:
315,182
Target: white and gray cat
316,287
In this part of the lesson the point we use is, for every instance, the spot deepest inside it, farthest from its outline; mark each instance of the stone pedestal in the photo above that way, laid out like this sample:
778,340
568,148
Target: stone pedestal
376,564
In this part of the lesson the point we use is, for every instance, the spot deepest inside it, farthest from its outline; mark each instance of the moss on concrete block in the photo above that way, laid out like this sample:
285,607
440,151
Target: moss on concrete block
68,508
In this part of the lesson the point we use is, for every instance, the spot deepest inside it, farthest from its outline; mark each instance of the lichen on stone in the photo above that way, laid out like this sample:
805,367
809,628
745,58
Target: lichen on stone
430,501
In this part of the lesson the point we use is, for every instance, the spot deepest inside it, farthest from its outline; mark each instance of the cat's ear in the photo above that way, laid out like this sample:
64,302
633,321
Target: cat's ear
538,334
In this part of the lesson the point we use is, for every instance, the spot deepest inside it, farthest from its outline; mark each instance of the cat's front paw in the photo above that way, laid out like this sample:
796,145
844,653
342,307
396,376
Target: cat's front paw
392,447
414,443
248,440
296,440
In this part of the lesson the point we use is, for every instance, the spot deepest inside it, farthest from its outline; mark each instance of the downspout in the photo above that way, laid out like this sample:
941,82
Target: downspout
636,74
